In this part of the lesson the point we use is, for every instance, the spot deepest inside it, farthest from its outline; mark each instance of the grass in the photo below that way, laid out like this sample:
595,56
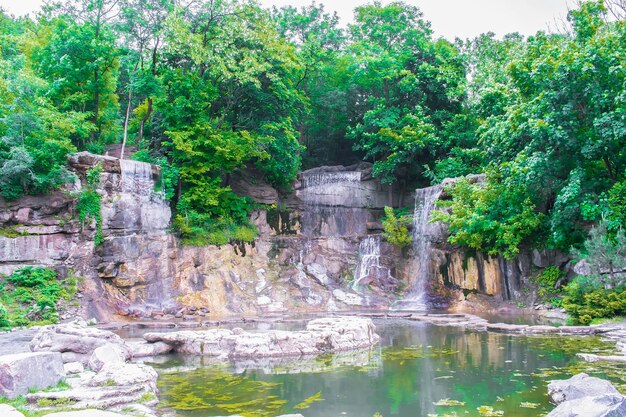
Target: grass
611,320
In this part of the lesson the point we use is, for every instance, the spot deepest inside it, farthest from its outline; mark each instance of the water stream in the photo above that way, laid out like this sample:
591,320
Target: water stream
423,234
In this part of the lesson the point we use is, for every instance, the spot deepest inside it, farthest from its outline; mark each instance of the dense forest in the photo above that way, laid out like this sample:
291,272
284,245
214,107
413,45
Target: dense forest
208,88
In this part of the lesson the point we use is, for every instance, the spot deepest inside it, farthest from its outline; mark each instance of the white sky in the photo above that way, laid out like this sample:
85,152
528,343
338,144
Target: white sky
449,18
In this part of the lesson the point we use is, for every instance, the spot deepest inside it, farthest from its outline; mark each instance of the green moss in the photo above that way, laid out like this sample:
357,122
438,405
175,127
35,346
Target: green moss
57,402
11,232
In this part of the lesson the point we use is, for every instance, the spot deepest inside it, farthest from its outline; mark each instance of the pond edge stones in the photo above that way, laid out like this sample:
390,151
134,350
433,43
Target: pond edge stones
23,371
585,396
324,335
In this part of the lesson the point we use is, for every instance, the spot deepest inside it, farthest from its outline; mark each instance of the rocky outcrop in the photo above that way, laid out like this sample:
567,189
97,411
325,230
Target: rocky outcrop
585,396
304,259
24,371
321,336
108,381
76,341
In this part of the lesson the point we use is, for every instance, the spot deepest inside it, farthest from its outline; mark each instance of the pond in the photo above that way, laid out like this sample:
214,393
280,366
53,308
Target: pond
416,370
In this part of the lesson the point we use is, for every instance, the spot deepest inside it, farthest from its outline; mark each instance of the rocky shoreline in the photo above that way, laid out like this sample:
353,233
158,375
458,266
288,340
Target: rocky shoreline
102,371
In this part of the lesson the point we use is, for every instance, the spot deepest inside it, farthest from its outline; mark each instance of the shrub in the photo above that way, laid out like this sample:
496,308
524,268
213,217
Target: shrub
30,296
548,280
4,317
395,226
584,305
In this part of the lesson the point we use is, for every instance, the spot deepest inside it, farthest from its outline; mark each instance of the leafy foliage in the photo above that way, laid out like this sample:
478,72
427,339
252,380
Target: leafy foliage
496,217
89,203
30,296
395,226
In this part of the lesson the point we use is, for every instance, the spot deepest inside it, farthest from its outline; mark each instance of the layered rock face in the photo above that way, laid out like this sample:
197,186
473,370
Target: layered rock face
304,259
319,249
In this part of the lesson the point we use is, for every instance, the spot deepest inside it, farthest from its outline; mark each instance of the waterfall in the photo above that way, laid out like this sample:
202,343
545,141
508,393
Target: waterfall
423,235
369,257
332,189
333,204
137,177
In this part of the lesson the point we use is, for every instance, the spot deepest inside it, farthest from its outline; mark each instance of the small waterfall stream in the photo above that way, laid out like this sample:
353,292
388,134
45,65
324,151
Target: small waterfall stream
136,177
423,234
369,257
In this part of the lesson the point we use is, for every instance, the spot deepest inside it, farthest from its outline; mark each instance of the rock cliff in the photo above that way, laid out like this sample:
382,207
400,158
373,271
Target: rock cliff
303,260
319,249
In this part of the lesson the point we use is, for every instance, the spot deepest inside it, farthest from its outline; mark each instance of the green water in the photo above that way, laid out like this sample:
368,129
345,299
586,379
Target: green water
416,370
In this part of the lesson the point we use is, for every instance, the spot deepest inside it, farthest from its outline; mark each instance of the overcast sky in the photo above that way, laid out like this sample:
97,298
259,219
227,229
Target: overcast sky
450,18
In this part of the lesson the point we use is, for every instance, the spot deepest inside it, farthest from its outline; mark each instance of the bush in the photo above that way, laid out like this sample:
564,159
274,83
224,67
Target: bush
30,296
496,217
395,226
4,318
197,229
584,306
548,281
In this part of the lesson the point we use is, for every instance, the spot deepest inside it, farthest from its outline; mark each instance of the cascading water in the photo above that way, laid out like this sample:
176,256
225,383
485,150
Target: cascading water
423,234
369,257
333,205
136,177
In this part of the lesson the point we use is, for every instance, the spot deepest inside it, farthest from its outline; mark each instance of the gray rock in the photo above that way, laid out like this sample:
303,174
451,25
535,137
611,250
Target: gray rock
142,349
8,411
582,268
125,374
578,386
23,371
321,336
73,368
77,341
607,405
107,354
86,413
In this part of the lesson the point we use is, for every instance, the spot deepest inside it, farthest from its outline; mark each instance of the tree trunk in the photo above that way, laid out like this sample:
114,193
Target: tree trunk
130,97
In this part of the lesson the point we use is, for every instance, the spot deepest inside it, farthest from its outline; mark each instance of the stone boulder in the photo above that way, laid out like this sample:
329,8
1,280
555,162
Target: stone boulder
8,411
585,396
77,341
321,336
23,371
124,374
85,413
607,405
578,386
142,349
108,354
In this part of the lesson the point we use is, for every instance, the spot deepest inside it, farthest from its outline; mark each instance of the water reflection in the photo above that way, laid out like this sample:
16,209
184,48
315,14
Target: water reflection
415,366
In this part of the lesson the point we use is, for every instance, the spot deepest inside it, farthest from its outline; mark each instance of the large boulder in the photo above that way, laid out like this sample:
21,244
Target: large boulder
125,374
8,411
77,341
23,371
85,413
108,354
578,386
607,405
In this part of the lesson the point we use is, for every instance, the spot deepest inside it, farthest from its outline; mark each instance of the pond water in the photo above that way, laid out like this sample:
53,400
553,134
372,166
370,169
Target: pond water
416,370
